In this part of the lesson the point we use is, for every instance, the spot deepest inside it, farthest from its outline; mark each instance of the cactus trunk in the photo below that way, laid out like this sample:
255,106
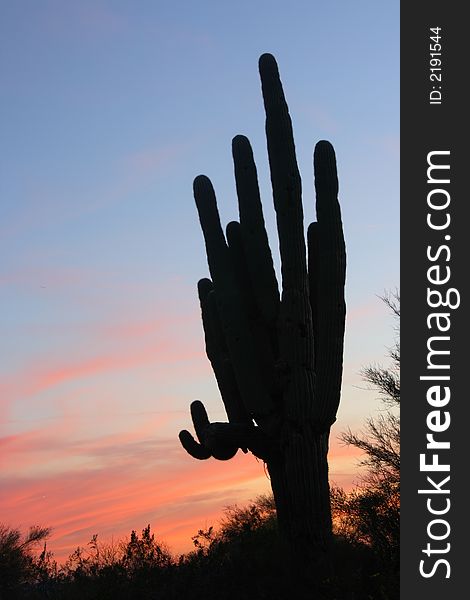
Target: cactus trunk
299,480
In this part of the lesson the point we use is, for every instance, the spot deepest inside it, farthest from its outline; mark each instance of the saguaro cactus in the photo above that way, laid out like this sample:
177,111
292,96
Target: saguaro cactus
277,360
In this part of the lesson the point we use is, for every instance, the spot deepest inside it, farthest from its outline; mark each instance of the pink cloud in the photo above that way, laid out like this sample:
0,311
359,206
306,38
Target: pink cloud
162,349
152,160
59,476
132,483
34,277
360,312
321,117
389,144
84,18
43,204
123,482
63,439
99,17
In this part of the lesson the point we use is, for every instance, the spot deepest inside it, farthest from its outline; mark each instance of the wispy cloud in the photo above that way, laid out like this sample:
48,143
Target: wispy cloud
320,117
85,17
360,312
126,482
150,160
32,380
121,336
46,204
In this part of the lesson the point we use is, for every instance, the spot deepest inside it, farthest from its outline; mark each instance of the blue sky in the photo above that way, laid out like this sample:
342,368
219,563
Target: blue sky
108,111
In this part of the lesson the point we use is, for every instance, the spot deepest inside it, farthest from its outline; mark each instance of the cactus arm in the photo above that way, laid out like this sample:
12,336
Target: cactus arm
312,256
240,266
330,276
241,435
236,329
295,324
285,177
195,449
262,333
216,246
222,440
255,238
220,448
217,353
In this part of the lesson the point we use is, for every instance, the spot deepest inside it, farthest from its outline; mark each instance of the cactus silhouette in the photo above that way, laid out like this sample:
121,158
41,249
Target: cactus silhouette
277,358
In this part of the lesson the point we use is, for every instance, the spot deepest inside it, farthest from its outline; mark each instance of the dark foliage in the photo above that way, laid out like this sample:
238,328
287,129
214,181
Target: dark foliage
243,559
371,513
19,564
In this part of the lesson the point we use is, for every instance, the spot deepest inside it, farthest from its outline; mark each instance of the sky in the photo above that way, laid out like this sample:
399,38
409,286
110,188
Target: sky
108,111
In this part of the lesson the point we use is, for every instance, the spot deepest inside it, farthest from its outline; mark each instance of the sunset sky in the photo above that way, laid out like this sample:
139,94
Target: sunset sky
108,111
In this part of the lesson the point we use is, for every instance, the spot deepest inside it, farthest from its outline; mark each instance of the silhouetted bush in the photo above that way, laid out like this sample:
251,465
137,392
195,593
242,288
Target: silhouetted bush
243,559
370,514
19,565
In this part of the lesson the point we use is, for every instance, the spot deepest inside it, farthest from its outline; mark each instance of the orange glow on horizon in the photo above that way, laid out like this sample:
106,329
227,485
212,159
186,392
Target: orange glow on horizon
177,496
